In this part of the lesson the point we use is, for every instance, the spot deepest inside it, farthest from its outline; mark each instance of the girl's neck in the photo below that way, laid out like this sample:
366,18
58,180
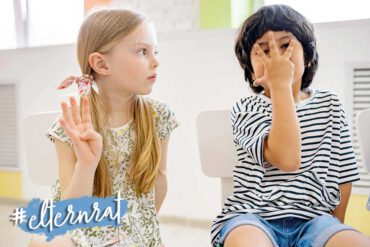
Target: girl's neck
118,107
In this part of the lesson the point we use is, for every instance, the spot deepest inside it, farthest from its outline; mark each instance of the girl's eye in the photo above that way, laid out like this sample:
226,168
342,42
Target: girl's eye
156,53
266,52
142,52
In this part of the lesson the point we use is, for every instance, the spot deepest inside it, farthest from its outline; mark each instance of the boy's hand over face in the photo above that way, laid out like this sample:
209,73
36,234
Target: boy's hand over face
278,70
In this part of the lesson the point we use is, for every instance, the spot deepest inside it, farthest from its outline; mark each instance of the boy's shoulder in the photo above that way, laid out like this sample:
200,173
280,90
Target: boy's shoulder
252,102
326,94
259,102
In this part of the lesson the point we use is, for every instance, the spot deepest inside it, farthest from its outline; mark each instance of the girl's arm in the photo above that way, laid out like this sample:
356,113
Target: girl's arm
161,183
340,210
77,165
74,181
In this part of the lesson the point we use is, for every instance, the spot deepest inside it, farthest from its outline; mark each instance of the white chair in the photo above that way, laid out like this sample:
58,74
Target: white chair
216,147
363,133
40,152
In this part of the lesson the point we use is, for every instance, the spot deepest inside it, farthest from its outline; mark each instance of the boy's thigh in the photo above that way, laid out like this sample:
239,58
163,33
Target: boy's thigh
247,235
247,230
319,230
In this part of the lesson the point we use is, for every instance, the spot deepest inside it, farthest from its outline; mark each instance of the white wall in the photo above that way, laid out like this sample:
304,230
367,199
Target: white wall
198,71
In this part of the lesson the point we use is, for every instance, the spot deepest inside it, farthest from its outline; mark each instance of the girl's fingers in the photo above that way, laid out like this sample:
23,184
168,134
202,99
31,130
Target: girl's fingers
90,135
289,51
67,115
86,117
272,44
67,129
75,111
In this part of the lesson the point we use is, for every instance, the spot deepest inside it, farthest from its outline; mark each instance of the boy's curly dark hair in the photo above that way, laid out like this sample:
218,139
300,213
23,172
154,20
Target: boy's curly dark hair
277,18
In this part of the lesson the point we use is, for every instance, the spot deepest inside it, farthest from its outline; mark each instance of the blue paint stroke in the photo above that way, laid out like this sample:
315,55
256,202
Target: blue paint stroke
56,218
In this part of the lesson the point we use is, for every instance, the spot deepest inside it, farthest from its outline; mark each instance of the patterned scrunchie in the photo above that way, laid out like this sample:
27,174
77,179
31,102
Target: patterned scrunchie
84,83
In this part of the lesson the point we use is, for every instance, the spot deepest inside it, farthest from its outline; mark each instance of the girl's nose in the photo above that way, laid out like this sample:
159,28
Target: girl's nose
155,62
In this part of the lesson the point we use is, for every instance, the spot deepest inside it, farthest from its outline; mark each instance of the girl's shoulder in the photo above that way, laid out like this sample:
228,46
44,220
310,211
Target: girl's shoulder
158,107
56,132
165,118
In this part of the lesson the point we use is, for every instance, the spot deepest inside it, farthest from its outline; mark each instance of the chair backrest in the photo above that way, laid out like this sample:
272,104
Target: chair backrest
216,147
363,133
40,152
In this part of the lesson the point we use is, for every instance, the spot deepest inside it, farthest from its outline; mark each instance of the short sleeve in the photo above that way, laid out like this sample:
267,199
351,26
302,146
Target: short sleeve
56,132
348,169
165,119
250,128
56,190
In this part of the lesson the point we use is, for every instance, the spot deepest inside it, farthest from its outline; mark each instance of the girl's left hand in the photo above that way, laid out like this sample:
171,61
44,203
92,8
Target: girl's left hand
87,142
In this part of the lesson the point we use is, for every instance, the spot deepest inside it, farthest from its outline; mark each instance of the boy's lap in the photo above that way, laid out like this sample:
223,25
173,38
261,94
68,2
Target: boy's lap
314,232
319,230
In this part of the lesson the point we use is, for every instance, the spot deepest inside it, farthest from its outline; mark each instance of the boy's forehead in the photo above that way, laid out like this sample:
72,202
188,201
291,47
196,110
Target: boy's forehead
277,35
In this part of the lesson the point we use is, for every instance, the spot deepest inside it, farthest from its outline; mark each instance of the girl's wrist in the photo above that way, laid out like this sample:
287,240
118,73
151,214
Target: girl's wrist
87,169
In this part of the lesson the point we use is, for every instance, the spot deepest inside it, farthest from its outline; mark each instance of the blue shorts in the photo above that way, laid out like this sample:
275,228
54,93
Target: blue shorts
289,231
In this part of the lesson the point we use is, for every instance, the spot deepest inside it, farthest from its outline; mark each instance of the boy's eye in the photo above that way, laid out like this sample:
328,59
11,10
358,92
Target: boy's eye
266,51
285,46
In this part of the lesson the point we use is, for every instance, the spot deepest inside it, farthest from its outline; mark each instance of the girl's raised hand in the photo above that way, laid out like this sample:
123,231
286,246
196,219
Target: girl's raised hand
87,143
278,69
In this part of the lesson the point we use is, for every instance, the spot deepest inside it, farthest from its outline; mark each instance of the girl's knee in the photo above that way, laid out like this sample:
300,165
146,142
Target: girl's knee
247,235
59,241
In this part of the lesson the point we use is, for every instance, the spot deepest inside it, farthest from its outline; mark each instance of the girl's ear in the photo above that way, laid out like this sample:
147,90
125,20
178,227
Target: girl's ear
98,63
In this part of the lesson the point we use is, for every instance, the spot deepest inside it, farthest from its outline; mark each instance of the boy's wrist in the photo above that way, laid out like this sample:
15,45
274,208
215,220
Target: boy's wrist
280,87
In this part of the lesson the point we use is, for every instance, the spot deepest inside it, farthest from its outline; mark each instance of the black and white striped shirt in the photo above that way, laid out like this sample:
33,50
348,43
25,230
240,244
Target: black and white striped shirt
327,161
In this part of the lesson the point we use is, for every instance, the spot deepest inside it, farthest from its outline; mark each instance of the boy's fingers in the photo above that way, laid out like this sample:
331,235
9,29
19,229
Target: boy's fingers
75,111
272,44
289,51
260,53
256,83
259,82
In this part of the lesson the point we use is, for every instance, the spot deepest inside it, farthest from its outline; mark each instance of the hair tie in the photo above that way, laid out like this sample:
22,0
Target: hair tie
84,83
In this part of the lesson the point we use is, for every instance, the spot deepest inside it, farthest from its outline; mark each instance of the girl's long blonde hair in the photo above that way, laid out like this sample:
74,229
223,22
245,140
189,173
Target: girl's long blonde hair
100,32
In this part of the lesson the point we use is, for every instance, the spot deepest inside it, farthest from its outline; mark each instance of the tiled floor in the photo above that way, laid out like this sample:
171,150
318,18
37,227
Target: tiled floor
174,233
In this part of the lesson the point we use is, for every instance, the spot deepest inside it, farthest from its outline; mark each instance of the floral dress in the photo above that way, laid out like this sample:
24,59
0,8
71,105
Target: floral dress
139,226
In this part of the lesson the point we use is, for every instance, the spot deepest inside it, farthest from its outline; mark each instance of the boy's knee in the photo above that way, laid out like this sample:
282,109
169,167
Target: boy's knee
247,235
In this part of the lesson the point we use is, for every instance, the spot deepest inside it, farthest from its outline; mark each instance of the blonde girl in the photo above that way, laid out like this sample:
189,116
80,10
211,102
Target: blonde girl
116,140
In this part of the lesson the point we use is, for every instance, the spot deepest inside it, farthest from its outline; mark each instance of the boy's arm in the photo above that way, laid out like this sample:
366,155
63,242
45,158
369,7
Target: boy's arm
282,147
340,210
161,183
